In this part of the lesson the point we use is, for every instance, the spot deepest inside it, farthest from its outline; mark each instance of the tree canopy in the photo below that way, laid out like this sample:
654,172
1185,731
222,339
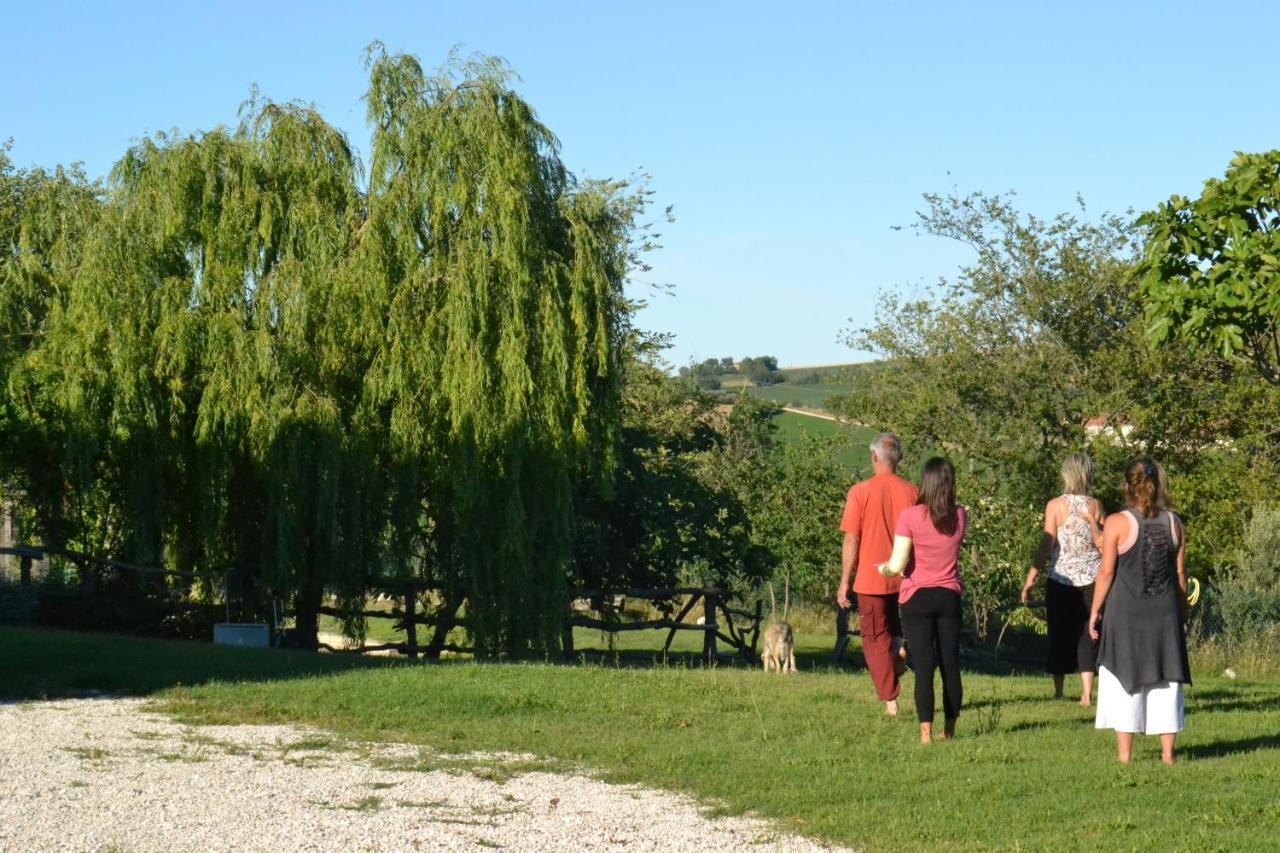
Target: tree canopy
1211,269
1037,349
247,352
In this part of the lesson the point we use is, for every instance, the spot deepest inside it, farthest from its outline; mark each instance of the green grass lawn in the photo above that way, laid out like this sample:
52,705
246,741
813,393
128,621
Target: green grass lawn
854,456
811,751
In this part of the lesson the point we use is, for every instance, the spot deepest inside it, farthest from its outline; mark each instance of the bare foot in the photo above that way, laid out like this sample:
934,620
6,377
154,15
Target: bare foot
1167,759
1085,702
891,707
926,732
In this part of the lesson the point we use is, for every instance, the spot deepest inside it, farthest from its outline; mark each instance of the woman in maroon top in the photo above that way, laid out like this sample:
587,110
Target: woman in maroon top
926,546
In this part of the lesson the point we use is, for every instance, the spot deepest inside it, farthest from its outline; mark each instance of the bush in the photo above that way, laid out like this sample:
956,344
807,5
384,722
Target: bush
1237,622
999,542
17,603
1257,565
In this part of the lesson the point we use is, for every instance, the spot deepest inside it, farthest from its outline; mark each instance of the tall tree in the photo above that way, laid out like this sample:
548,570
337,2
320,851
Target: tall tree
1210,272
261,363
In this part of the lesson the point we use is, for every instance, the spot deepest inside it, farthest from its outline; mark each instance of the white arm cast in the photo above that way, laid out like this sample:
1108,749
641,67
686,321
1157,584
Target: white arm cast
901,554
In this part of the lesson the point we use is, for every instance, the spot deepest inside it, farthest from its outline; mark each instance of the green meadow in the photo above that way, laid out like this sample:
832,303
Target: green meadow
811,751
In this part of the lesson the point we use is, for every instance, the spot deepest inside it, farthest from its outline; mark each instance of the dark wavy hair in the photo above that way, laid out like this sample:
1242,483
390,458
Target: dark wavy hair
938,494
1142,488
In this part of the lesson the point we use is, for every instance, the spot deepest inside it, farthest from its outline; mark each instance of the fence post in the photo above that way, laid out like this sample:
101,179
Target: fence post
567,636
755,631
24,570
410,626
709,626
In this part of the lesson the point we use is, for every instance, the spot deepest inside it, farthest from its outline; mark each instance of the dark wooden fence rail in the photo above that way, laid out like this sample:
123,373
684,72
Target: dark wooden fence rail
742,635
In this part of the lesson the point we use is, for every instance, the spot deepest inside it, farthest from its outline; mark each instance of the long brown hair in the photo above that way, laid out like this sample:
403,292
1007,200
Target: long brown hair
1142,488
938,494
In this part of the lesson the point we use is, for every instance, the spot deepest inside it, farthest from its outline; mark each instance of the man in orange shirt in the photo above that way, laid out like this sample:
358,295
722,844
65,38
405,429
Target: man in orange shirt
870,515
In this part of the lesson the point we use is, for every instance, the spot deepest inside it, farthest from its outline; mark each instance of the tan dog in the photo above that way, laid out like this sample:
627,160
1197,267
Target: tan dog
779,653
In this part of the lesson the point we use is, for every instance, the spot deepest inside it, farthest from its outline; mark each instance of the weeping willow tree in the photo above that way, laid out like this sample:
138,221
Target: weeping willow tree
45,217
272,363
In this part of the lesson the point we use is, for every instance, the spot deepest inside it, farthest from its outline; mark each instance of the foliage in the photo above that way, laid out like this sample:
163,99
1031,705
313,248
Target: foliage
1002,367
1211,268
763,370
1000,535
996,367
668,517
793,489
242,355
1257,567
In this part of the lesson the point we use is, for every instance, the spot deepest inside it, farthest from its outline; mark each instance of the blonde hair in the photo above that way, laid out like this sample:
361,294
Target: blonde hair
1077,474
1163,501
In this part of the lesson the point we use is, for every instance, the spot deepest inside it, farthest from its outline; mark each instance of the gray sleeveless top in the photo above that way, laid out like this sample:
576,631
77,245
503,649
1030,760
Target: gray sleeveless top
1143,642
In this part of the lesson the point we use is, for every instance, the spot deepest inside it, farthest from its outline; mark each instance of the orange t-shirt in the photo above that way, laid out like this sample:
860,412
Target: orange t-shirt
871,513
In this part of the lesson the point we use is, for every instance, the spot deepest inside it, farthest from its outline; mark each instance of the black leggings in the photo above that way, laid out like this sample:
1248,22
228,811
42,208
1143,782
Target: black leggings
931,623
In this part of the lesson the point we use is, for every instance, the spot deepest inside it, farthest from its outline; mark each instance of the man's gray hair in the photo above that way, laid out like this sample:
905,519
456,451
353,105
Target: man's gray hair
887,449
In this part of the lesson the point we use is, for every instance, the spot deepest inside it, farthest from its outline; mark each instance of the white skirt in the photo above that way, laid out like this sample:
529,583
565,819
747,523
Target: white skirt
1155,710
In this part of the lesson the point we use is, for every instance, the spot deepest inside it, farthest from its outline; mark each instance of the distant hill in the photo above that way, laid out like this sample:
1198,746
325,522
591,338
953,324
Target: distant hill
803,387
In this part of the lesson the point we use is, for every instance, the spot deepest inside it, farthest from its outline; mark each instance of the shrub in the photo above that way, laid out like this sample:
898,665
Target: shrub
1000,540
17,603
1257,564
1237,622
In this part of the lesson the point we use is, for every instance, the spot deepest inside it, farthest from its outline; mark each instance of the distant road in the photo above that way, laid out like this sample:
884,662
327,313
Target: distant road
822,416
810,414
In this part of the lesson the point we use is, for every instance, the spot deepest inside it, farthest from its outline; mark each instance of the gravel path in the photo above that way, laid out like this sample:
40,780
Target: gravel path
108,774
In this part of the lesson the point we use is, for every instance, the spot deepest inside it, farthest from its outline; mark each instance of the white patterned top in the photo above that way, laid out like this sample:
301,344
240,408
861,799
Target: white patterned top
1075,557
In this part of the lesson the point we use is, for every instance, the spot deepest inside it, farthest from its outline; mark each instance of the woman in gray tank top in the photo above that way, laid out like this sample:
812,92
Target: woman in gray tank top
1142,649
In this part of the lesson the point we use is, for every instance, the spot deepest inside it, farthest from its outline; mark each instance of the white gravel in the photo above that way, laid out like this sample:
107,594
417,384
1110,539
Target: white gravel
109,774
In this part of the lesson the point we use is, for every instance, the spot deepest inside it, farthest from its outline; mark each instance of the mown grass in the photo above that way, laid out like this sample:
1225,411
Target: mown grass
811,751
49,664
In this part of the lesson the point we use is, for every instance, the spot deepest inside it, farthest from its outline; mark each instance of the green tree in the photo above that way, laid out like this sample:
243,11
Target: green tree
1001,368
257,360
1210,273
670,516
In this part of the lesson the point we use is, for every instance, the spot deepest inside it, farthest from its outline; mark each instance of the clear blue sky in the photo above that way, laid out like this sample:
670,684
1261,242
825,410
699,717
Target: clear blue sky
789,137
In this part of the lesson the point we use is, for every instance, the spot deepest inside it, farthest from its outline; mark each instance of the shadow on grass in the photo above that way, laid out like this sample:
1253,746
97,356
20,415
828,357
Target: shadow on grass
1221,748
1247,698
51,664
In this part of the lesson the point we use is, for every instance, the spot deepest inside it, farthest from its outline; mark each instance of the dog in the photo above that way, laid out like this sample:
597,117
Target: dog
779,653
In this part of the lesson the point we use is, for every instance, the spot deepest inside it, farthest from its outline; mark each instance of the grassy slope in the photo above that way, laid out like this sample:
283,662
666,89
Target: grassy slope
854,457
811,751
805,396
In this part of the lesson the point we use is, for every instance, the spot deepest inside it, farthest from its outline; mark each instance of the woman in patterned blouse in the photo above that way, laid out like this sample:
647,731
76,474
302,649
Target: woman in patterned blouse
1071,548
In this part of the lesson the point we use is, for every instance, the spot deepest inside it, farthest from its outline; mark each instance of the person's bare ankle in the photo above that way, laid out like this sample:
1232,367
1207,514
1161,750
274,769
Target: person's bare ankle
891,707
1085,702
1167,759
926,732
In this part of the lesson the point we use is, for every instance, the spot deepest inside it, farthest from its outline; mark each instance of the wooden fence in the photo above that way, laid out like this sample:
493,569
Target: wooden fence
720,622
740,629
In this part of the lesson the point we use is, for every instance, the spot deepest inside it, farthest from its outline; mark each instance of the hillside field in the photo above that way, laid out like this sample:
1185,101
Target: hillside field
855,455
